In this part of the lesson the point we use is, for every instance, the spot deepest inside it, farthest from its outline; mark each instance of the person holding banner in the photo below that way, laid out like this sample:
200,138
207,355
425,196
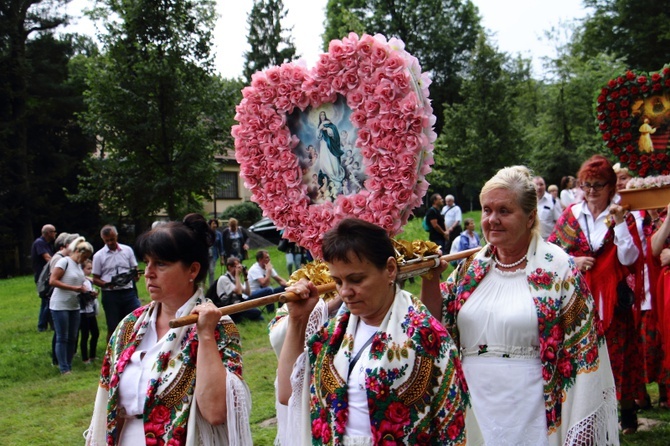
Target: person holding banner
382,371
595,232
526,327
173,385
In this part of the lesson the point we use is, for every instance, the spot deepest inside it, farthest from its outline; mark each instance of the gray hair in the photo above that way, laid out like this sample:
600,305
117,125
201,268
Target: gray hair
64,239
107,230
519,181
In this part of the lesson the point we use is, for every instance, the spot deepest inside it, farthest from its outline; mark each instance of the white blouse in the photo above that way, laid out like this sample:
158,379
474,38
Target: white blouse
134,381
500,347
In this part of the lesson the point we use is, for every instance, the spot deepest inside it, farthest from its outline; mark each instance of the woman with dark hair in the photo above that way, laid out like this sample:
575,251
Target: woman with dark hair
526,330
594,231
382,371
176,386
569,191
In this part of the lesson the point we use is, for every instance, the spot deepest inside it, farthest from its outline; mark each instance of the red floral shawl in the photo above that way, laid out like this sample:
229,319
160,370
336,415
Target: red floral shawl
575,363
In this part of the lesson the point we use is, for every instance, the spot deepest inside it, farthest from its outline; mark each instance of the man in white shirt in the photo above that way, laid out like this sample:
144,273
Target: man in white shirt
452,220
260,276
233,281
548,208
118,299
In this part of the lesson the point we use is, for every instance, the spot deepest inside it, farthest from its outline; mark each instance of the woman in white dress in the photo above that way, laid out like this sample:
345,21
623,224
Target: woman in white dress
330,153
527,333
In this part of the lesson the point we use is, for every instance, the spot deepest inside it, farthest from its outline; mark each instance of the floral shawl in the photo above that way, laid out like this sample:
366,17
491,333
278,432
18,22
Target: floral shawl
579,392
170,411
413,380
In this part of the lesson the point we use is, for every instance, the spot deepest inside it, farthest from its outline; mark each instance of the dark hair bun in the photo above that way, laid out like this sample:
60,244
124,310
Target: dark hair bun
198,224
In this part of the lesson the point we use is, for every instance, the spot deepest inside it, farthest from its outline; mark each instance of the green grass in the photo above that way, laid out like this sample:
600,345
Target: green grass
40,407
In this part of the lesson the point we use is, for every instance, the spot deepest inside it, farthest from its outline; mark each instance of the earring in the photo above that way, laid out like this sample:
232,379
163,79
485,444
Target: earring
190,280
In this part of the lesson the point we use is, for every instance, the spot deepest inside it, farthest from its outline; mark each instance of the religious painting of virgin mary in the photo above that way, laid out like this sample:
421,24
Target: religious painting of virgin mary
330,163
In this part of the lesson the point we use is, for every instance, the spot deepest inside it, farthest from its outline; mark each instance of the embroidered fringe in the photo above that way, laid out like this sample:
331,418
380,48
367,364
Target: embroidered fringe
299,428
96,433
239,410
600,427
286,428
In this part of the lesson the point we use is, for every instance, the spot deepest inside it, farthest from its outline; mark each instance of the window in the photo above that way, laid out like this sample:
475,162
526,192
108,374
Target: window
226,185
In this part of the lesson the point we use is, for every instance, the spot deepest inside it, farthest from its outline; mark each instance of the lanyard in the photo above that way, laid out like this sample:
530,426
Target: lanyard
355,359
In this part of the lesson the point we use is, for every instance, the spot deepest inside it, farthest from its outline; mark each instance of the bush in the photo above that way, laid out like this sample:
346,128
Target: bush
246,213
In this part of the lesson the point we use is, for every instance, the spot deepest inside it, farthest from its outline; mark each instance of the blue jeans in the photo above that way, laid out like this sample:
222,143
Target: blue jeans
43,319
118,304
262,292
66,325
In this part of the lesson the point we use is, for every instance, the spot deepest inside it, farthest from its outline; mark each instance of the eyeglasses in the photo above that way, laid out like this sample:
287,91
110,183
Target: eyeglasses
595,186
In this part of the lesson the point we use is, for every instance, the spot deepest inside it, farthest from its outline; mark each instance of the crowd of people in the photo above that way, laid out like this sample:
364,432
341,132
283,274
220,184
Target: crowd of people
560,315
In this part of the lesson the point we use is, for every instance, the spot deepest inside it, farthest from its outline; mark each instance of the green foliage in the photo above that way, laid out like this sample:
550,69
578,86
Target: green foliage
563,132
636,30
152,105
246,213
267,38
227,93
20,21
483,133
440,33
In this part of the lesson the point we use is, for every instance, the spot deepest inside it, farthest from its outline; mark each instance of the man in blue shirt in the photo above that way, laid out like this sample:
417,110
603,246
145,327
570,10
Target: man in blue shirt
40,254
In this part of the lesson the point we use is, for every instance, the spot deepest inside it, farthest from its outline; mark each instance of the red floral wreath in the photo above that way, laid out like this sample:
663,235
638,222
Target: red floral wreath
620,110
388,96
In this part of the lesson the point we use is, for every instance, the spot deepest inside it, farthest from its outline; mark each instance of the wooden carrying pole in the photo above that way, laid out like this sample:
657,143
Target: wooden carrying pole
404,272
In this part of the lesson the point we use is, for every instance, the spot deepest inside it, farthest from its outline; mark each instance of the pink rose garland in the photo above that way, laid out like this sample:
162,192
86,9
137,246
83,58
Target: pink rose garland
388,95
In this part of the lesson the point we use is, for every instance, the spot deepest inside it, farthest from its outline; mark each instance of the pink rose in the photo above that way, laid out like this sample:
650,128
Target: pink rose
267,95
378,56
336,49
351,80
358,118
354,99
365,71
371,108
299,99
365,45
273,75
338,84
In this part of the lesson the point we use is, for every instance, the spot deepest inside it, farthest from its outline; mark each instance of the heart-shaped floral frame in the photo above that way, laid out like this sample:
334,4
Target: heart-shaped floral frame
622,107
387,96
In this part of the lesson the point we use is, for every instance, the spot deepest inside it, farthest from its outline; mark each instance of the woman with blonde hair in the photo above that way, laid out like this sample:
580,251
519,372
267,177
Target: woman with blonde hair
526,330
67,278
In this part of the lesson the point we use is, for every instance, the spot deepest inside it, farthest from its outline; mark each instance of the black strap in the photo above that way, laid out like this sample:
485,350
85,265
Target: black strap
355,359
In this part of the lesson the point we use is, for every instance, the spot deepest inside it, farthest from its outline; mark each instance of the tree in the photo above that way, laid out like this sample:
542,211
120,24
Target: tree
154,109
440,33
564,133
481,134
19,19
269,43
637,31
